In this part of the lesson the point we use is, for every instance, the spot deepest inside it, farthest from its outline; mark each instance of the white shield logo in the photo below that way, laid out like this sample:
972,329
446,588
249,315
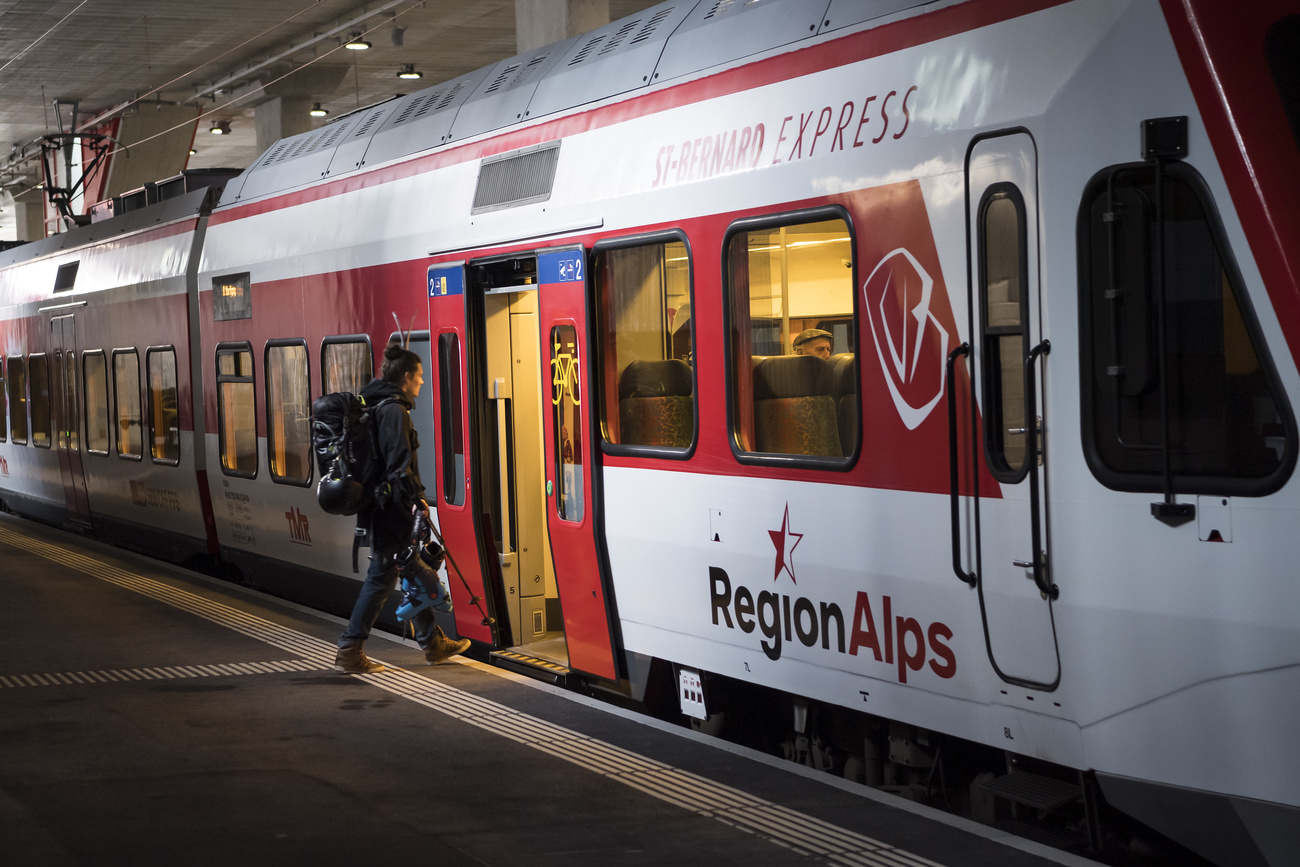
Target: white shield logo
910,343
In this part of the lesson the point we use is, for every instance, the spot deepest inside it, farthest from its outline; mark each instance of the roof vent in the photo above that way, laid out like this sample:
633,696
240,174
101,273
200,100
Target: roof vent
276,153
501,79
587,49
619,36
719,7
517,178
652,25
446,100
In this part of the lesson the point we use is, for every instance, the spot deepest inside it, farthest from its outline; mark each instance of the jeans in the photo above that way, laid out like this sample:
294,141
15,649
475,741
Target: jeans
381,580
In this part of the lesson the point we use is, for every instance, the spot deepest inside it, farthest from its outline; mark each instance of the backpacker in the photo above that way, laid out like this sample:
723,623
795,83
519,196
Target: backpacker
347,461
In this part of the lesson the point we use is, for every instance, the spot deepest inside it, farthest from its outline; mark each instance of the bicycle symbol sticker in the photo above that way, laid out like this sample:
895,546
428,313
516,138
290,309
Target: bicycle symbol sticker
564,367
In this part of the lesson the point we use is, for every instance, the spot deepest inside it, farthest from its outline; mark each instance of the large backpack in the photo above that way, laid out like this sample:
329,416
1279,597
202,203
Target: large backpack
347,460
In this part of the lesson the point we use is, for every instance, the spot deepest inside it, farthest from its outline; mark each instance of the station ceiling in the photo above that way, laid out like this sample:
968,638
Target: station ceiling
224,57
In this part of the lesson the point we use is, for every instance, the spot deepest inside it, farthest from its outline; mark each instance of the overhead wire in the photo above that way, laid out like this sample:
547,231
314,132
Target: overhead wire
142,97
385,23
38,39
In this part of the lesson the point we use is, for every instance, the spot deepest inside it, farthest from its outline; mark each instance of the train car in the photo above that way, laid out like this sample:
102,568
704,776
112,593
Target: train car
102,414
927,362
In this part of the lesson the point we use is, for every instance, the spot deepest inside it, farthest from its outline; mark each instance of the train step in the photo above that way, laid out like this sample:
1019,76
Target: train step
530,666
1035,791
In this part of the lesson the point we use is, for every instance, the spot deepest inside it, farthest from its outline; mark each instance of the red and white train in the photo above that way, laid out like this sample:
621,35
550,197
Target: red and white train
1040,496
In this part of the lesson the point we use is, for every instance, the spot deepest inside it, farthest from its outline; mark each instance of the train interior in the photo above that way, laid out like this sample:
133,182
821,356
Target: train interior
511,466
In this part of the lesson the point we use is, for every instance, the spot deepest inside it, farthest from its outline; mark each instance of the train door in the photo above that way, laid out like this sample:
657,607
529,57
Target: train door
1009,350
512,472
457,499
67,403
571,511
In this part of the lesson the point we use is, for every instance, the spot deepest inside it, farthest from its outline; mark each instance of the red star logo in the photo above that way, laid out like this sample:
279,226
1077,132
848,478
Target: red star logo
785,552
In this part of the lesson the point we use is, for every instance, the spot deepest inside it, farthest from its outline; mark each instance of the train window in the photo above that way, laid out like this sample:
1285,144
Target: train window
1187,377
451,405
126,393
1004,320
95,377
164,417
232,297
566,403
38,375
17,380
66,383
644,293
288,412
792,329
236,411
346,364
4,408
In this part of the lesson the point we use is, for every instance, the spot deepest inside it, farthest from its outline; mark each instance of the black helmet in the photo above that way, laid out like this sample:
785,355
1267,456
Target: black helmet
339,493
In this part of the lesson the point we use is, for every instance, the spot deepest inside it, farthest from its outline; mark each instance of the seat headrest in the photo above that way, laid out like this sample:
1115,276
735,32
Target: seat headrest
670,378
843,373
791,376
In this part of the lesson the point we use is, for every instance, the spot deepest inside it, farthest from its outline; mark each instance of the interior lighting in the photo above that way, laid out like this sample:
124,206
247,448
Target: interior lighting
317,111
356,43
221,127
408,71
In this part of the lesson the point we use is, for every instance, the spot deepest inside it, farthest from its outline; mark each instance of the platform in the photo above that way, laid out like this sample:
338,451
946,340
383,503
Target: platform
151,715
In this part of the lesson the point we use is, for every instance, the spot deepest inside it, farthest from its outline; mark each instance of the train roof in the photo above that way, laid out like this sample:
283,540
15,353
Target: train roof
187,206
664,43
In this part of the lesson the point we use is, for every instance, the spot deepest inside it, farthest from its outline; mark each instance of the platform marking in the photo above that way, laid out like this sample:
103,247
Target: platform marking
790,829
174,672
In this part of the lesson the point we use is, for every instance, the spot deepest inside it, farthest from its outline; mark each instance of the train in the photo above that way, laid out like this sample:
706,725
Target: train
1025,483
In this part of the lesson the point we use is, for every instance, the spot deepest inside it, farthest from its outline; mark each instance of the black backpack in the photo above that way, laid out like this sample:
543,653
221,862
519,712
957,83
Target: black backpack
347,460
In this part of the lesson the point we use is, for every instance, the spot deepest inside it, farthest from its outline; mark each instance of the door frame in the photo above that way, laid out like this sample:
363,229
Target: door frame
450,313
586,593
1034,397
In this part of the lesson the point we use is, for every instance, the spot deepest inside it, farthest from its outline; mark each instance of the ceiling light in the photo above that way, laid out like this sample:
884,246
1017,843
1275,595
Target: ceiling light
357,43
317,111
408,71
221,127
193,151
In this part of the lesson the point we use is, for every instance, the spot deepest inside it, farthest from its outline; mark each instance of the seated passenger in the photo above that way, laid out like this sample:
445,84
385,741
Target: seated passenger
813,341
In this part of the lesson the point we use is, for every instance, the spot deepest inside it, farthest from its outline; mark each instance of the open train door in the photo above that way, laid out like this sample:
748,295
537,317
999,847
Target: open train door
572,512
457,512
1009,354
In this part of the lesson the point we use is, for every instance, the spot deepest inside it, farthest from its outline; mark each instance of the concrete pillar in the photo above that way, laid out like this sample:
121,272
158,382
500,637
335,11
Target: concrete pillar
29,212
280,118
541,22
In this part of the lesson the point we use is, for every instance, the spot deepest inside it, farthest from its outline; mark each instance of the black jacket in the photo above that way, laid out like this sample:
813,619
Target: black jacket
396,442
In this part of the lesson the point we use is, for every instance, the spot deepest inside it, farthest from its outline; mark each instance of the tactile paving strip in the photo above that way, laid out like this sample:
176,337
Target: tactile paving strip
791,829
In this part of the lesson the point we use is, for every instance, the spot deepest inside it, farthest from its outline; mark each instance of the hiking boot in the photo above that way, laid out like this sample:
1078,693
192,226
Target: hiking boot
442,647
353,660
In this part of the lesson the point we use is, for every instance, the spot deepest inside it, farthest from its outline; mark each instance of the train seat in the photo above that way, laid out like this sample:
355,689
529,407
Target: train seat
655,407
794,412
844,391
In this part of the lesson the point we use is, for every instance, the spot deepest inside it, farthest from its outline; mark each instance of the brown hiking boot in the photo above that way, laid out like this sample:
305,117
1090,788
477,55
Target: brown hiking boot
442,647
353,660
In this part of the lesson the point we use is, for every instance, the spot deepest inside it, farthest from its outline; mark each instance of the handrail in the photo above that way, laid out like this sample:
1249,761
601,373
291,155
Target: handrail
964,576
1045,585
